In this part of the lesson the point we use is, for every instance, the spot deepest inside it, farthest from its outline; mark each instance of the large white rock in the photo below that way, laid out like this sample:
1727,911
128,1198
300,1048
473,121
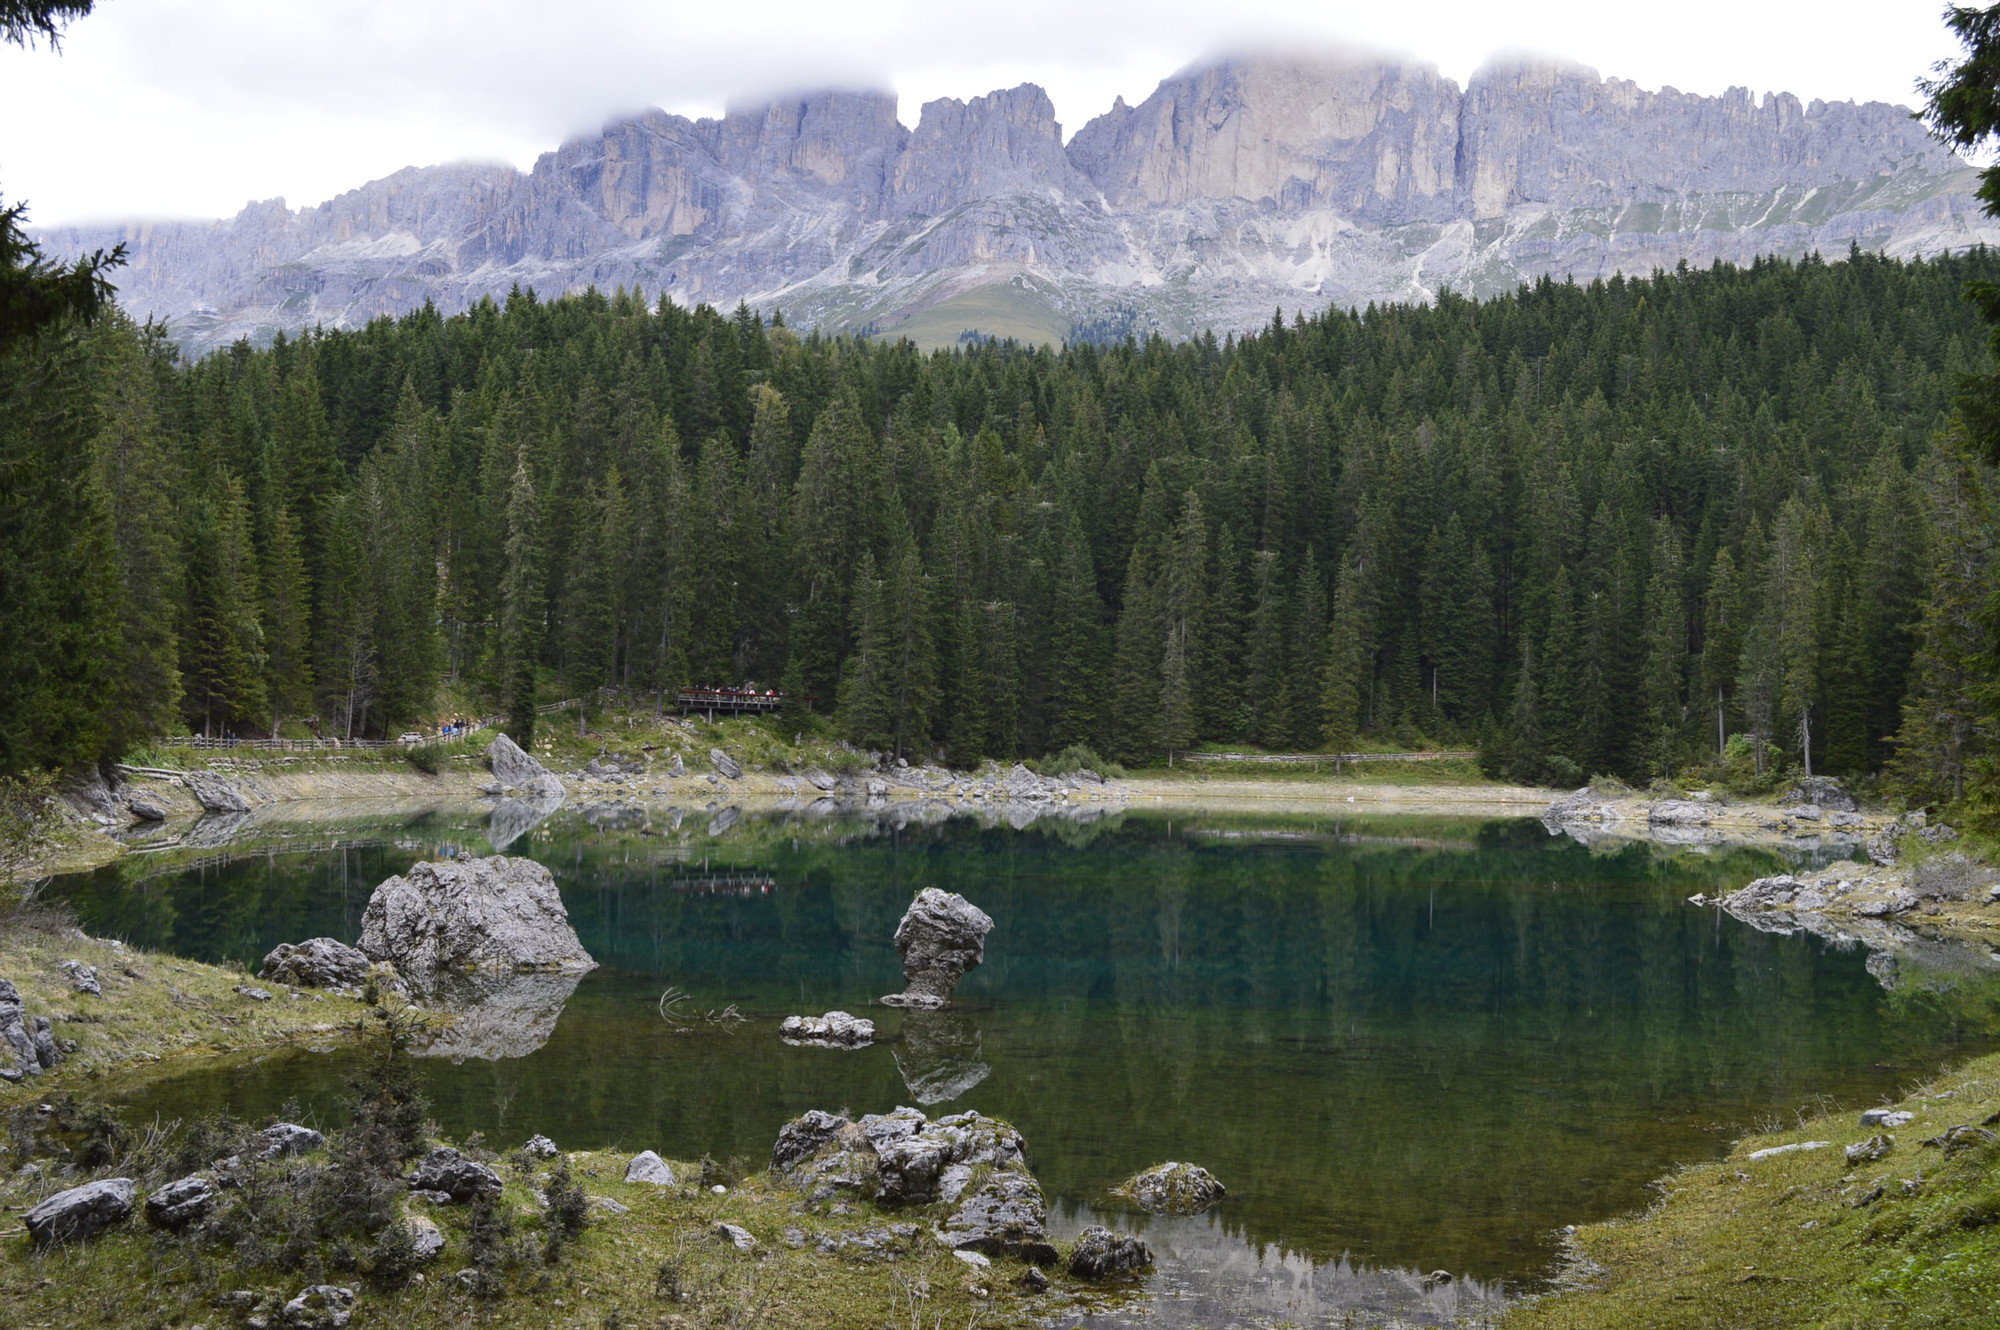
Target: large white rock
471,914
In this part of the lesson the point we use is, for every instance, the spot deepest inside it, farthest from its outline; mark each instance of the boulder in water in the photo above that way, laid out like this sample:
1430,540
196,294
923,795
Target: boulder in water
1172,1189
471,914
942,935
836,1029
1099,1253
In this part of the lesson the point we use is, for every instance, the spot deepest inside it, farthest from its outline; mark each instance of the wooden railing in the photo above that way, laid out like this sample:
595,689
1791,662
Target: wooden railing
1314,759
204,743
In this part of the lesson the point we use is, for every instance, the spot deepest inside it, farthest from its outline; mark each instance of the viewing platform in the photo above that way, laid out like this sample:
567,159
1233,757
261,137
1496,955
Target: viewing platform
731,701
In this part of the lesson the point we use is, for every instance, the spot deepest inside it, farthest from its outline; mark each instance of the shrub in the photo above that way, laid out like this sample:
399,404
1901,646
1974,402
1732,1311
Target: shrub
567,1209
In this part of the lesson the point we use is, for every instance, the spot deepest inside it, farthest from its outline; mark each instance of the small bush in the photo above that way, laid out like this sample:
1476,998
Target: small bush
1075,758
566,1209
845,761
424,758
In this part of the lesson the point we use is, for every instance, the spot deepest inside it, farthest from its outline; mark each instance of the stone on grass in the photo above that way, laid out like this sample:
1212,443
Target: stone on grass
281,1140
977,1260
1886,1117
941,936
82,978
649,1167
737,1237
836,1029
540,1147
1099,1253
478,914
182,1202
1172,1189
81,1212
254,994
1002,1216
1868,1151
145,810
319,962
446,1170
320,1307
726,764
1795,1147
426,1238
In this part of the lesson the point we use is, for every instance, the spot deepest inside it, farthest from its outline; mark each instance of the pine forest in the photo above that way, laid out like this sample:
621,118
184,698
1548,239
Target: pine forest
1715,517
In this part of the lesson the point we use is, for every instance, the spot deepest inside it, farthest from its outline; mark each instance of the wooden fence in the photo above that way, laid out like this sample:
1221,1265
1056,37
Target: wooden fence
202,743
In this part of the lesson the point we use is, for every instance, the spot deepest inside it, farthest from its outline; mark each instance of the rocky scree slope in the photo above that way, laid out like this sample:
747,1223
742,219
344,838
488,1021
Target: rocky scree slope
1237,186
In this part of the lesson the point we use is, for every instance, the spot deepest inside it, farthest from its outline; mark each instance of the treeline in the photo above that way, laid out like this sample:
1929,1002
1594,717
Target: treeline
1610,528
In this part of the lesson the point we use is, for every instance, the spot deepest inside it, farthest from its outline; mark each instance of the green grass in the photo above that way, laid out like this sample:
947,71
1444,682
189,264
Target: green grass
1460,772
1805,1239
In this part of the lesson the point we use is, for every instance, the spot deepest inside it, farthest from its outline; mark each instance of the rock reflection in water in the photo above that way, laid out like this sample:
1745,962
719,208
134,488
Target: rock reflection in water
939,1056
514,818
497,1016
1205,1275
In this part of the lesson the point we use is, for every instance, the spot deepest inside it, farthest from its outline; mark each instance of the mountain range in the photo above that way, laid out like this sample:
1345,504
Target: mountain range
1241,186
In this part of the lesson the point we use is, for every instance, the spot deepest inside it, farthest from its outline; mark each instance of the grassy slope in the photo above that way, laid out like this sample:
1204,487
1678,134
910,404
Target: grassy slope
1796,1241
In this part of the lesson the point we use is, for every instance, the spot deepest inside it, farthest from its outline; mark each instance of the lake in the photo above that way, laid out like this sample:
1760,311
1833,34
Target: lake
1404,1044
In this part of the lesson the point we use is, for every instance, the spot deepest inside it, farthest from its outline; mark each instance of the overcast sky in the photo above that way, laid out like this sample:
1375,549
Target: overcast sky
162,108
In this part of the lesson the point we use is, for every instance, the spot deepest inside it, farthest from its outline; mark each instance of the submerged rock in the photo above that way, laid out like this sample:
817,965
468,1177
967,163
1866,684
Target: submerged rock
319,962
1172,1189
836,1029
471,914
942,935
1099,1253
80,1212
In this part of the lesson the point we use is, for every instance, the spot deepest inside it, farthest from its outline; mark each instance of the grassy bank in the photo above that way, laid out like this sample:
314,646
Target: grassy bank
154,1010
1810,1238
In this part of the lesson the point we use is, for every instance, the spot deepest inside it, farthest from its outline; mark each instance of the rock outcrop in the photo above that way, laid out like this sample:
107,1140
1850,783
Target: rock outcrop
319,962
455,915
975,1165
941,936
1239,184
215,794
27,1043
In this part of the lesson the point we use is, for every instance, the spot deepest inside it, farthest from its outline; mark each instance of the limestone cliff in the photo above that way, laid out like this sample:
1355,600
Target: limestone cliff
1239,185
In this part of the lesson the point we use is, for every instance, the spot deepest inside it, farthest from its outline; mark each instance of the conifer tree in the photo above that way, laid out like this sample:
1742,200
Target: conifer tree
1340,689
520,605
1722,642
287,637
224,679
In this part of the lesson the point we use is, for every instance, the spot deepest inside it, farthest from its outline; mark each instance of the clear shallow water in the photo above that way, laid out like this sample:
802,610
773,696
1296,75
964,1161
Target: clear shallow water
1405,1046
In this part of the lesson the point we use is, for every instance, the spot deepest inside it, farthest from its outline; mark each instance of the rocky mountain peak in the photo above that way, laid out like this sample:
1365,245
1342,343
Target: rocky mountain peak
1293,179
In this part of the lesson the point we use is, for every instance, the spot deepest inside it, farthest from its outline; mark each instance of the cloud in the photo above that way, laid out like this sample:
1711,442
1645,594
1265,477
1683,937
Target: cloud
193,106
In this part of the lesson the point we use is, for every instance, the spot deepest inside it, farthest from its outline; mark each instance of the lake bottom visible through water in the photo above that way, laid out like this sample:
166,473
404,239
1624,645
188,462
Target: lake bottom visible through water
1406,1047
